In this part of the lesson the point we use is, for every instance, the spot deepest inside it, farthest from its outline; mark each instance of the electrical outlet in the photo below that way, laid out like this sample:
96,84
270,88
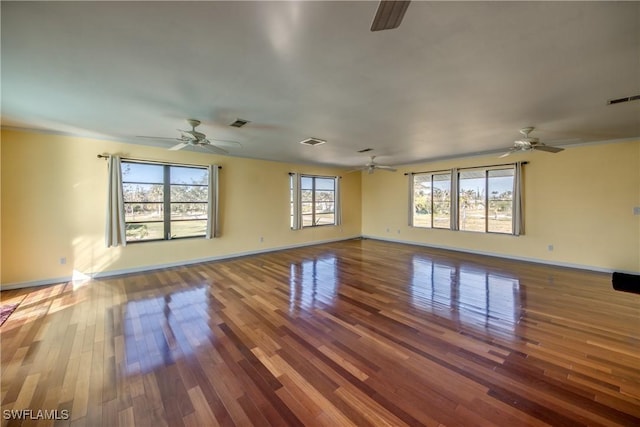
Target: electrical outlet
63,260
261,239
636,210
550,248
387,229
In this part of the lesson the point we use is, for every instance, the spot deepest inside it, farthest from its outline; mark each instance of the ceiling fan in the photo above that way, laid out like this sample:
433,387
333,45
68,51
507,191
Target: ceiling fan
194,138
371,166
389,14
530,143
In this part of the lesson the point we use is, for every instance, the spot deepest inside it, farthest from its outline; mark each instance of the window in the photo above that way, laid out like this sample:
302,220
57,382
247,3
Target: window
314,200
472,190
484,200
164,201
432,200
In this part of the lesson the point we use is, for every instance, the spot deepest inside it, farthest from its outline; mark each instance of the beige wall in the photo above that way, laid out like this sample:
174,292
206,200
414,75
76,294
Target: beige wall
53,206
580,201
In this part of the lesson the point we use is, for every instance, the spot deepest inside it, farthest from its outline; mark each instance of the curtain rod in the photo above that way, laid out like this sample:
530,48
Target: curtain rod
316,176
470,167
106,156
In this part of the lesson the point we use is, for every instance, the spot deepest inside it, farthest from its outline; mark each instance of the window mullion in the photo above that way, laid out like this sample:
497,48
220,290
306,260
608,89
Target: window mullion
431,198
167,202
313,201
486,201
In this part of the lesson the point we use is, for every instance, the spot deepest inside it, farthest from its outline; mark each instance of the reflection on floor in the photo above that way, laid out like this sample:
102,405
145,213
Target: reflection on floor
360,333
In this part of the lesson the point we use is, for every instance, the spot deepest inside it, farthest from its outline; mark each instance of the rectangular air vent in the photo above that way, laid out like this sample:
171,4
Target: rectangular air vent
625,99
239,123
313,141
365,150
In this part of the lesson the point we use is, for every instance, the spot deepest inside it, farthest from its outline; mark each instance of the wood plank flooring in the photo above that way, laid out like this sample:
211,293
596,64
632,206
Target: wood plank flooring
360,332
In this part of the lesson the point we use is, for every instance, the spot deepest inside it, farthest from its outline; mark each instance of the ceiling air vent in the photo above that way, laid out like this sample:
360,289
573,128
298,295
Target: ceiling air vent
625,99
365,150
239,123
313,141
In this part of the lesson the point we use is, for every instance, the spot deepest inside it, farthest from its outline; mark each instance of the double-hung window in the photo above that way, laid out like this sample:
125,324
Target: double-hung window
164,201
314,200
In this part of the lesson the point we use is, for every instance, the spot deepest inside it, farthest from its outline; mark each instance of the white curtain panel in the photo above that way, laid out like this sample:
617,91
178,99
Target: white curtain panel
297,208
411,198
115,233
338,202
213,222
518,211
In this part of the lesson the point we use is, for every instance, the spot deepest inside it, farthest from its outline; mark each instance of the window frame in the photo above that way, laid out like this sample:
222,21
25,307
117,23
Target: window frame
431,199
314,201
167,202
455,205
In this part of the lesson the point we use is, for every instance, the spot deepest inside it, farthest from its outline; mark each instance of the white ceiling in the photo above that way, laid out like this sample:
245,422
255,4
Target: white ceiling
456,78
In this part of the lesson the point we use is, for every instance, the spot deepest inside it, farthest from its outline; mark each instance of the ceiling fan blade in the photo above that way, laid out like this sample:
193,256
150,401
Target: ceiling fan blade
179,146
389,15
384,167
159,137
508,153
227,142
548,148
213,148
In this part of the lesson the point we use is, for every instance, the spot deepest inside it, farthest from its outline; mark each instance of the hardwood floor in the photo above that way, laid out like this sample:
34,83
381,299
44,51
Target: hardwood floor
360,332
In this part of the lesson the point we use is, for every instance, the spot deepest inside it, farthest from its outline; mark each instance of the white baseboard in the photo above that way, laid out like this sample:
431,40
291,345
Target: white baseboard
109,273
499,255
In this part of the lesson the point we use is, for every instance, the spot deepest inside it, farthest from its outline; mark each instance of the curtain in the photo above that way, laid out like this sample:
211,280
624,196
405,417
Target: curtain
115,233
213,222
411,199
338,203
296,223
454,208
518,211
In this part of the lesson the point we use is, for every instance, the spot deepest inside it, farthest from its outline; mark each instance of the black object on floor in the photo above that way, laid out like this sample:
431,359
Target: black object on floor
626,282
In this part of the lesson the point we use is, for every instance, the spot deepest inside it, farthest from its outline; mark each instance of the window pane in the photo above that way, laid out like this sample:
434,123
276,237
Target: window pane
143,212
500,190
139,172
306,195
441,194
142,192
188,211
144,231
189,193
325,184
187,175
471,200
307,220
306,183
325,219
324,196
188,228
422,200
307,207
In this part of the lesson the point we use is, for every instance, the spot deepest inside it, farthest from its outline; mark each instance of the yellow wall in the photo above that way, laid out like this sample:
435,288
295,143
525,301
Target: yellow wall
580,201
53,206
